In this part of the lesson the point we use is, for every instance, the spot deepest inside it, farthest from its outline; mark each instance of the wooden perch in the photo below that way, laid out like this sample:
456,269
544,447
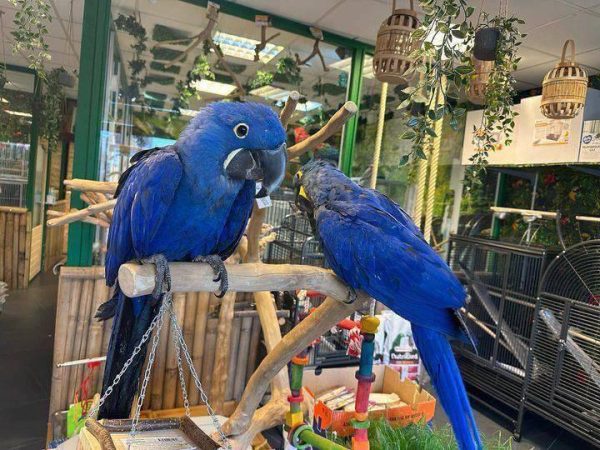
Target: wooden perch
77,184
300,337
333,126
83,213
289,108
138,279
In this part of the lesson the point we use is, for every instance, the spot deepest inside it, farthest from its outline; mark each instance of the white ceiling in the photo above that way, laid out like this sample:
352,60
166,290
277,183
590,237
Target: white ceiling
548,24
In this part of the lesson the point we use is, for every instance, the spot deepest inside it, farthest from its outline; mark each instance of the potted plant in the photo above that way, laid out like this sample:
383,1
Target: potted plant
486,42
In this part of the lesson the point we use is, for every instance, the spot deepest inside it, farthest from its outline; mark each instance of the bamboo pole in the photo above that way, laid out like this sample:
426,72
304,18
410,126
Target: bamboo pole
8,250
191,306
15,247
71,326
81,336
158,378
244,345
210,342
233,357
198,343
76,215
171,371
379,135
433,166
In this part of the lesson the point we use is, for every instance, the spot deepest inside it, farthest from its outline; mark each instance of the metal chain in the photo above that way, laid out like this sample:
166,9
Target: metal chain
136,351
166,302
186,400
203,396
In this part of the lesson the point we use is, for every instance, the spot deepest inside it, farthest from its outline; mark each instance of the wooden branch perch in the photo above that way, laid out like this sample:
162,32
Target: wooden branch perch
333,126
77,184
138,279
83,213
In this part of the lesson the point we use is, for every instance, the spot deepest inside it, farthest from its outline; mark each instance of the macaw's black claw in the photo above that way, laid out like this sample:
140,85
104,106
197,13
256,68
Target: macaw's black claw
218,267
162,281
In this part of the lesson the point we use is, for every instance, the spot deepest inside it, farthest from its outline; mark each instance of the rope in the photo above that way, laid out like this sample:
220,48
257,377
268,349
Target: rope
417,215
435,154
379,135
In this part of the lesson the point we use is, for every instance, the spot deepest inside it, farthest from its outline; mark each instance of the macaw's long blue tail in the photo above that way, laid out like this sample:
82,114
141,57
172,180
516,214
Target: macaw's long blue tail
438,359
131,319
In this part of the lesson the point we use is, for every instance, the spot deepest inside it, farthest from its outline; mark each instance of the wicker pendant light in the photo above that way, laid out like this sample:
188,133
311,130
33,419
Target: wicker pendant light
564,88
395,45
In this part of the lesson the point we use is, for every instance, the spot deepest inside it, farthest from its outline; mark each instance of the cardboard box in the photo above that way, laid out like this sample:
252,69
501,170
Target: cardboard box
420,405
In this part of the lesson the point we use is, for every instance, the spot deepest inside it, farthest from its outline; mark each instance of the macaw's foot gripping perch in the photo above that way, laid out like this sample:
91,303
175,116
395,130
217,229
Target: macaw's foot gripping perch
300,433
218,266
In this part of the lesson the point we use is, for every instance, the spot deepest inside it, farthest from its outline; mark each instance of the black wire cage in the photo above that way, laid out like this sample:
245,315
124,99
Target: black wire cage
502,280
563,379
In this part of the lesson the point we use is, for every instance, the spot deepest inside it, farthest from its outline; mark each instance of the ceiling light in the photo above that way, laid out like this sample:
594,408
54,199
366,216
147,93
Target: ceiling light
213,87
3,100
271,93
188,112
308,106
17,113
241,47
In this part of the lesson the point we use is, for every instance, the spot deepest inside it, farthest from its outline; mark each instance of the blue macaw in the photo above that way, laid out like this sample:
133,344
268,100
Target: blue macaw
190,201
374,246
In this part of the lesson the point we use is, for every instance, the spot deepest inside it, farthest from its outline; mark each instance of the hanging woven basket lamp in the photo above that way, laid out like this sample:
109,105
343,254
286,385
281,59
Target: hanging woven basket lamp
395,45
479,80
564,87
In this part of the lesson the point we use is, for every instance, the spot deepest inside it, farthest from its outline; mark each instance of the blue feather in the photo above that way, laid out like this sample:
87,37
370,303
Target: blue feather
374,246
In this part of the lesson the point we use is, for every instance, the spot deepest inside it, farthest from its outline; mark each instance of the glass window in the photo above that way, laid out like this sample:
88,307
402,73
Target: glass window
160,75
16,108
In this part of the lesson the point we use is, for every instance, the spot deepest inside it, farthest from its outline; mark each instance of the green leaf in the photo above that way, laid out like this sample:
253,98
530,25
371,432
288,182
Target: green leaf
463,70
408,134
404,160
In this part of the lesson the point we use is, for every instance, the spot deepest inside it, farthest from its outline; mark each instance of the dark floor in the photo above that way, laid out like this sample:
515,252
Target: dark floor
26,339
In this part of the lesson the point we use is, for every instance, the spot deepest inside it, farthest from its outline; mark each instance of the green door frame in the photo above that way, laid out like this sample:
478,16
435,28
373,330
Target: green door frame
94,45
354,94
90,101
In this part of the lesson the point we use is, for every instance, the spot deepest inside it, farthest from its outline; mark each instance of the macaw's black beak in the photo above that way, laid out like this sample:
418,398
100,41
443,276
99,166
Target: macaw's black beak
267,166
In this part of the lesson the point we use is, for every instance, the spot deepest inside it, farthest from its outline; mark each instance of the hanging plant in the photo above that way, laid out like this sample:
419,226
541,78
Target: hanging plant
31,28
185,89
260,79
442,67
130,25
498,121
52,109
288,71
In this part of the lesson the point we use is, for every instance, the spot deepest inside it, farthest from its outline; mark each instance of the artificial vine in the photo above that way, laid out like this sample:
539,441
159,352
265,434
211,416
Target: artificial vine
52,112
443,28
498,121
137,64
31,19
185,89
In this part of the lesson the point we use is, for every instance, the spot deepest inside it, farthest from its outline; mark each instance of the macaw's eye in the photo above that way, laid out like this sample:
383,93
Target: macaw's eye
241,130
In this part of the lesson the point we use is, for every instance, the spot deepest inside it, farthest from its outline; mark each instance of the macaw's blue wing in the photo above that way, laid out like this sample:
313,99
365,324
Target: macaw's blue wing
145,195
371,250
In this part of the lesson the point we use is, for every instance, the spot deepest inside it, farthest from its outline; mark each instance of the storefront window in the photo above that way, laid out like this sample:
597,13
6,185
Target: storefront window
16,109
160,76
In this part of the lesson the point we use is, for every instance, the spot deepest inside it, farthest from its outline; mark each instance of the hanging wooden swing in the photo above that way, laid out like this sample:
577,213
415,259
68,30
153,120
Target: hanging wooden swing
564,87
395,45
479,80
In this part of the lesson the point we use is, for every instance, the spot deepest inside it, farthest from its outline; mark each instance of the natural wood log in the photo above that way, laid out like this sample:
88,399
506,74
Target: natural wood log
138,279
300,337
76,215
253,234
244,345
191,306
331,127
234,343
290,106
253,349
77,184
210,343
220,370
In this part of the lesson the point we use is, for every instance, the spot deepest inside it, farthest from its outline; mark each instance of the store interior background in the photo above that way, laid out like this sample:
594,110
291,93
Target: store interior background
31,175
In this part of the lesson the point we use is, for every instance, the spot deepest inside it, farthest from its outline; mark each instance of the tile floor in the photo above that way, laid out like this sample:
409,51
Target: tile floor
26,339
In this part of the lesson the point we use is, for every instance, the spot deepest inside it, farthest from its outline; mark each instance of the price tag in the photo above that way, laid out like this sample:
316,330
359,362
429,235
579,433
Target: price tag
262,202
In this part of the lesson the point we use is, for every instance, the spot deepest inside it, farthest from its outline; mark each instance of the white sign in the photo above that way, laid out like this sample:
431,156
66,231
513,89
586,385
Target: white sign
590,142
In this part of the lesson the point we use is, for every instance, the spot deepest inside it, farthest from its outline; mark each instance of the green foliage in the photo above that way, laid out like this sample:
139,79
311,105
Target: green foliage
130,25
155,65
288,71
185,91
31,28
448,29
498,120
52,111
161,33
382,436
260,79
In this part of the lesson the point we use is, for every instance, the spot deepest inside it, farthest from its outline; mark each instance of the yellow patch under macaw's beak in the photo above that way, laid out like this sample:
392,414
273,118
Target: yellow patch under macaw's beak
301,191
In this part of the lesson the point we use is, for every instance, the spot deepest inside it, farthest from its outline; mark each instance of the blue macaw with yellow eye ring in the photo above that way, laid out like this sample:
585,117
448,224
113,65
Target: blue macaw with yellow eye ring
190,201
374,246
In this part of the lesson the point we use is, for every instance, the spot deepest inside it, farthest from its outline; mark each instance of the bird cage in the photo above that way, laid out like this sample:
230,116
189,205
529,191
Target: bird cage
564,87
479,80
395,45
